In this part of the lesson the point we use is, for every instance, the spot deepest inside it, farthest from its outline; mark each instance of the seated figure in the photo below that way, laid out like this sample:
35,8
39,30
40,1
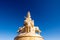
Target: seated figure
21,30
37,30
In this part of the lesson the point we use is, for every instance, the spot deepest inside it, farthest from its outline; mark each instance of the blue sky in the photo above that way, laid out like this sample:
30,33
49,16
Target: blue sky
45,13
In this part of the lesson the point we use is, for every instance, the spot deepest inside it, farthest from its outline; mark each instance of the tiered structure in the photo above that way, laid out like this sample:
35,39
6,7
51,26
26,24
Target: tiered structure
28,31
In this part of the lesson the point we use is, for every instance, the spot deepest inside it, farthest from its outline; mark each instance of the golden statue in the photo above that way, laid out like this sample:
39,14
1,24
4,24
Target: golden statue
28,30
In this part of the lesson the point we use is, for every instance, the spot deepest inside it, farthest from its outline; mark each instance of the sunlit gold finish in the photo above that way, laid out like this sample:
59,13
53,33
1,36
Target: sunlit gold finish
28,31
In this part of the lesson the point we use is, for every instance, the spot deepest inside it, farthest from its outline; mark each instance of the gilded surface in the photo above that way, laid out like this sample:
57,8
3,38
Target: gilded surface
28,31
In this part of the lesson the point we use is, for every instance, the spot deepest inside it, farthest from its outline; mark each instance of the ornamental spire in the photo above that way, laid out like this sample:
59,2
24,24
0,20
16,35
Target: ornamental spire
28,15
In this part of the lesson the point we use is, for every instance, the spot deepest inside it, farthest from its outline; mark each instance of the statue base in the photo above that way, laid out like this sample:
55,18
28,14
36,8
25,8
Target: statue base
28,36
